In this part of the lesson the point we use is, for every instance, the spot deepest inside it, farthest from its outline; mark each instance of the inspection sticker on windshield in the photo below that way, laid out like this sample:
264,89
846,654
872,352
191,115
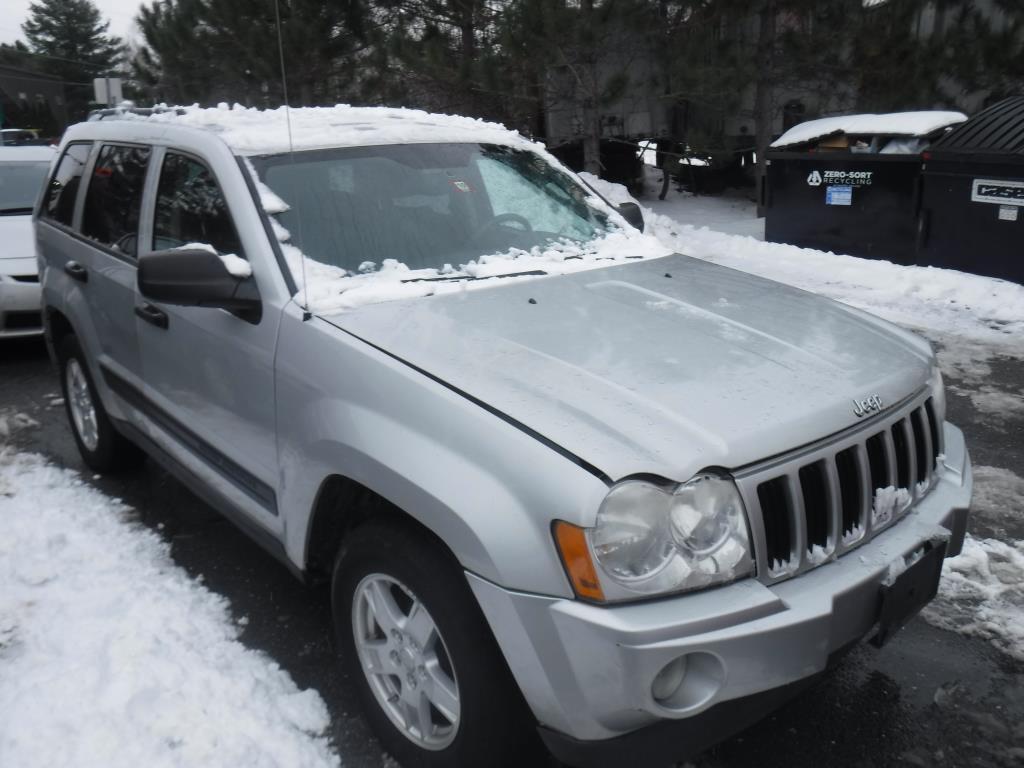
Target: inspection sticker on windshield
839,195
462,186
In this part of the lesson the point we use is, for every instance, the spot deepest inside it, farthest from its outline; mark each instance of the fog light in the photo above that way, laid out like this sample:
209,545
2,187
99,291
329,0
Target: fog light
669,679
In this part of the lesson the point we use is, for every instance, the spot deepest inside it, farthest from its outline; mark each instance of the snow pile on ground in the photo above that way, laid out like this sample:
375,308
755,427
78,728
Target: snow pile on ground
982,594
982,589
111,656
941,301
12,422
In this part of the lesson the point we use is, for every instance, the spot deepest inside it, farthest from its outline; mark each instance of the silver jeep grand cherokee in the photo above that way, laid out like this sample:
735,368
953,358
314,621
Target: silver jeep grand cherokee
555,476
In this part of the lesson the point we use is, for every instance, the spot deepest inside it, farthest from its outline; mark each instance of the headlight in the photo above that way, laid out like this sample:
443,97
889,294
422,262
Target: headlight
650,539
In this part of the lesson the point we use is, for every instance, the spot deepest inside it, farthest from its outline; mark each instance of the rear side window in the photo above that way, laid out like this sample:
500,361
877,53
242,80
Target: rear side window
114,197
190,208
59,203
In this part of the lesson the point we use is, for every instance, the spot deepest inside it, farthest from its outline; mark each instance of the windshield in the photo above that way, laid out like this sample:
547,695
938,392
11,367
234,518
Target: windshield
427,206
19,186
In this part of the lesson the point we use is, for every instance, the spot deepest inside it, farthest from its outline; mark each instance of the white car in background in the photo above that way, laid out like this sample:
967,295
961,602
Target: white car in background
22,174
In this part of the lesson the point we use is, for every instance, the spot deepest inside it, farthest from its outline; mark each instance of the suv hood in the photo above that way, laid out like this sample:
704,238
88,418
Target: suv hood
665,366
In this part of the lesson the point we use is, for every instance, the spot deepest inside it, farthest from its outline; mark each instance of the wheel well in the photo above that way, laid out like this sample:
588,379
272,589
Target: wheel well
341,506
58,326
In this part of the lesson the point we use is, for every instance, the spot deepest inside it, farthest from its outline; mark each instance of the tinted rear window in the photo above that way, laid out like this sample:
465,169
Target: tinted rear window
59,203
114,197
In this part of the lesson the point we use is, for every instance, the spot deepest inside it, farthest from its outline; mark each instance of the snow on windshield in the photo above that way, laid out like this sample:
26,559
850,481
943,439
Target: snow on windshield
362,225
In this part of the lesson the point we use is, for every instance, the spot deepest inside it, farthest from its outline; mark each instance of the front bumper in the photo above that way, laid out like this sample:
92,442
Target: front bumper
20,308
587,670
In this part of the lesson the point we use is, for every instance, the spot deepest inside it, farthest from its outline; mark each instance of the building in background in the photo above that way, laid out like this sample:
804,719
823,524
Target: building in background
31,99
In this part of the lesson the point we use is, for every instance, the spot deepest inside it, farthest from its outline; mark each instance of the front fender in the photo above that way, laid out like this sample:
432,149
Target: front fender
487,489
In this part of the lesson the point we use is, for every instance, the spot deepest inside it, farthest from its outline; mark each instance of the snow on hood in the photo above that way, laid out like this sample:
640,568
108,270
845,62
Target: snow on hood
252,131
664,366
892,124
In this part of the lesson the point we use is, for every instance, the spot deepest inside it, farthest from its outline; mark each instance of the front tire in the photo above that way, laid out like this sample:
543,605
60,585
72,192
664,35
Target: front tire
433,684
101,446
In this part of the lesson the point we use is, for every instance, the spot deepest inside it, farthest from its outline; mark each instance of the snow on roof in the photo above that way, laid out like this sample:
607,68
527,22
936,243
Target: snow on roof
251,131
892,124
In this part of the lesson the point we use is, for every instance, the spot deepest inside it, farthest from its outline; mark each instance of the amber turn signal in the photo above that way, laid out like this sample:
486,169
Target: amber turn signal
572,546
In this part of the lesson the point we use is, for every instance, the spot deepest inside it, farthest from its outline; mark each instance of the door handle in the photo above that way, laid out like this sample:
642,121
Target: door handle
76,271
152,315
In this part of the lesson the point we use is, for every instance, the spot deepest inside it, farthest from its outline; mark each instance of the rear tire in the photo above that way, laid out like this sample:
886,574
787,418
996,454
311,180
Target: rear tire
101,446
393,670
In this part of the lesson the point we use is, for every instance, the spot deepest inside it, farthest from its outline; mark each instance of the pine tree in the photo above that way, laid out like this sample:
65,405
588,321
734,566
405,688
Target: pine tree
70,39
74,38
227,50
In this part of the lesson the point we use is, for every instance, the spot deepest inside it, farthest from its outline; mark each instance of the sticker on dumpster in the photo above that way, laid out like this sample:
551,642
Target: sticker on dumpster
998,191
1008,212
840,178
839,195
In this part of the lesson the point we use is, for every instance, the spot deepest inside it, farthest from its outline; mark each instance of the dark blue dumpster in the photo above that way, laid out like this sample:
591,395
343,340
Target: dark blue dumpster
972,200
850,184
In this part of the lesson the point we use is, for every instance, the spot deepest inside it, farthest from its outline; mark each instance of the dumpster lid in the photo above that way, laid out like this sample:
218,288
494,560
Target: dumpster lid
892,124
999,129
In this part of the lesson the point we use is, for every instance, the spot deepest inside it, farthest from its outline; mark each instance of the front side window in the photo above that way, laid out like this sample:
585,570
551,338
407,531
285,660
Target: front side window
59,203
191,209
114,197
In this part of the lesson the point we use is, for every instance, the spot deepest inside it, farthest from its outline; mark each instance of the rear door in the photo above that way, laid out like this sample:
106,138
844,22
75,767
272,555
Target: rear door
208,373
110,224
92,245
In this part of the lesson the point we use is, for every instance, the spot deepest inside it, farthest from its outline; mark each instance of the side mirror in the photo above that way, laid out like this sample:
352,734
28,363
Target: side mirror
196,277
631,212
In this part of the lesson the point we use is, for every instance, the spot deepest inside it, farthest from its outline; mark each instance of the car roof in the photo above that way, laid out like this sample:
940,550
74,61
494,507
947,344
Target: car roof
252,131
26,154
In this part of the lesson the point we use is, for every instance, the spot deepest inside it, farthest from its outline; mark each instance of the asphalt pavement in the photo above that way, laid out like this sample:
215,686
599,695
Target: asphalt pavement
929,698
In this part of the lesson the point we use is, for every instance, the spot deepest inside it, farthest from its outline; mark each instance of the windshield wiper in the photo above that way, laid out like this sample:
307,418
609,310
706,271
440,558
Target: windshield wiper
452,278
14,211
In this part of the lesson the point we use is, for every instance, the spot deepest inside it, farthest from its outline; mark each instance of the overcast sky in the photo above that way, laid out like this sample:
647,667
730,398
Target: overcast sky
119,13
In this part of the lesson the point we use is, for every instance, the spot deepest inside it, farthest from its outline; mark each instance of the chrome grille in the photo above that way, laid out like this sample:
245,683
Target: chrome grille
818,503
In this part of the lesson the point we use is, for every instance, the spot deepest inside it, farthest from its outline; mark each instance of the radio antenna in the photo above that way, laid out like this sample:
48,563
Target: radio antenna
306,314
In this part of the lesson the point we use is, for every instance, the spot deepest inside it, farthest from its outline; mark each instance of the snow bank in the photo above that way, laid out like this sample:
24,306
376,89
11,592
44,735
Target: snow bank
892,124
982,594
110,655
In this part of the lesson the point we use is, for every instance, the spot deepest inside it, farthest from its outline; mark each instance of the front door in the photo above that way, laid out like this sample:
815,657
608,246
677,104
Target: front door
208,373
